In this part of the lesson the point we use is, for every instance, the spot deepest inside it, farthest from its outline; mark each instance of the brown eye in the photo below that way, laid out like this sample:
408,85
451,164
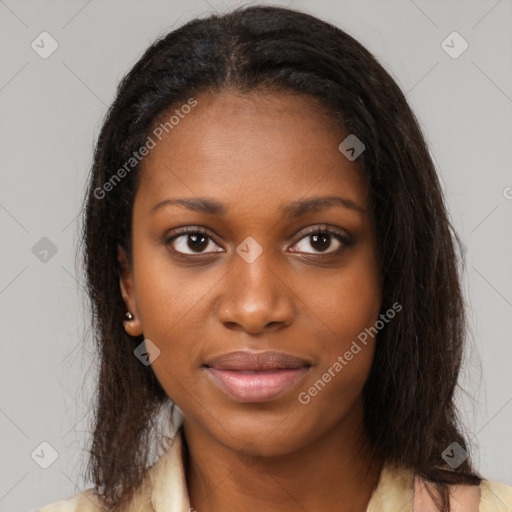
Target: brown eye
192,242
321,241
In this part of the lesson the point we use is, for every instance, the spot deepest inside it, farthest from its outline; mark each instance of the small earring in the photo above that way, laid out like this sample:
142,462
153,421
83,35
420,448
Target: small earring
128,316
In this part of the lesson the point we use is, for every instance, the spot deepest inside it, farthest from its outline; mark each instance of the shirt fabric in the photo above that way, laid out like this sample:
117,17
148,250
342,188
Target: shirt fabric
165,490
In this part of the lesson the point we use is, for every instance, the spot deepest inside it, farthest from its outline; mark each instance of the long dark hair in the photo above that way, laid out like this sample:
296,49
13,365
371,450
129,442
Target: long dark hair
410,415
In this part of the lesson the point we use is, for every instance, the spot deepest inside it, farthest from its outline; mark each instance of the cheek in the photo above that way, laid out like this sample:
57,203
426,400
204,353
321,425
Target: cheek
350,302
345,356
350,308
168,304
169,296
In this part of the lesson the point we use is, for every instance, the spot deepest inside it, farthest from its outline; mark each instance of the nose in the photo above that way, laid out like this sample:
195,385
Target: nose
254,297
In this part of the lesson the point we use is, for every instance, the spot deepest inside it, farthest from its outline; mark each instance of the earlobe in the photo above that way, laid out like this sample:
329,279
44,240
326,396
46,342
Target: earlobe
131,320
132,324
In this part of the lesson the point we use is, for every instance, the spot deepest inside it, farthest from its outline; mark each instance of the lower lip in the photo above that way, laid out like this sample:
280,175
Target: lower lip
256,386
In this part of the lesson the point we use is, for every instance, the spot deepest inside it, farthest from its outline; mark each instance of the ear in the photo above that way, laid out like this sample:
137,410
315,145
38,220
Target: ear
132,327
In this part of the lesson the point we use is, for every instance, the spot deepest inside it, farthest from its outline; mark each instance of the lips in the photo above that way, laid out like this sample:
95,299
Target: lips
256,376
253,361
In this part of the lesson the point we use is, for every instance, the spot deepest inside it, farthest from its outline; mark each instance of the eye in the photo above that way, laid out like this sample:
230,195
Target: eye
192,241
322,241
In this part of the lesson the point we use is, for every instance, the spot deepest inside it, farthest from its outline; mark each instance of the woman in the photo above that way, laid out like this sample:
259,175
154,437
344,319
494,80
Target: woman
269,256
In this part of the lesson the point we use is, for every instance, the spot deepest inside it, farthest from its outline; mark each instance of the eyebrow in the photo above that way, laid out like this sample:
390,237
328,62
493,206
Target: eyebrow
314,204
291,210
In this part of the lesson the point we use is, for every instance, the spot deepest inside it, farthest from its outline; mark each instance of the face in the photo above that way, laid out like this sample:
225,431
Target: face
247,262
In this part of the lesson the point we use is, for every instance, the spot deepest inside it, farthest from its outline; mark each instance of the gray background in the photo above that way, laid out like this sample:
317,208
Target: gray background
50,115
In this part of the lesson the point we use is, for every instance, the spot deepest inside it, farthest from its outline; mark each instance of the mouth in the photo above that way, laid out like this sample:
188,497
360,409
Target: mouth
256,376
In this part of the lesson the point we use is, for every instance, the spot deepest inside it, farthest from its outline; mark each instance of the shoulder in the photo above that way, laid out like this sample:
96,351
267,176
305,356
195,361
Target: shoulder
488,497
164,484
88,501
495,497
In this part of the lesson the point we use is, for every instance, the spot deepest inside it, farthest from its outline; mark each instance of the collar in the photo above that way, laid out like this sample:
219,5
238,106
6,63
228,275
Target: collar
167,476
169,492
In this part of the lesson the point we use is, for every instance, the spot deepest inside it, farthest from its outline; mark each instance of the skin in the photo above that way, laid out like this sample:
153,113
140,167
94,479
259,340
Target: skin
255,153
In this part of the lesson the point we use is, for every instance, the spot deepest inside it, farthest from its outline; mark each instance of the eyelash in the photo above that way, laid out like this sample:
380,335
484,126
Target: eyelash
345,240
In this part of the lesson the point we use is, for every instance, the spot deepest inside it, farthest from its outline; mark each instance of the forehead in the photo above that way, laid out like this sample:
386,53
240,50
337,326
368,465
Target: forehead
250,149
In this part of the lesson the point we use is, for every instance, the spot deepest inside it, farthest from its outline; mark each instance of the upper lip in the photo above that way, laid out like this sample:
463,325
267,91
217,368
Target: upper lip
253,361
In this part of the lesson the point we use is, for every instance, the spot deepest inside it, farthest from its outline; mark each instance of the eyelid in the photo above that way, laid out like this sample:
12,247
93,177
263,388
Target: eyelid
323,228
344,238
176,233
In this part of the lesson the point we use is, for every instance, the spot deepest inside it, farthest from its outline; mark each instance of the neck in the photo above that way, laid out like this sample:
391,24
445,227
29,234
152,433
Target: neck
333,472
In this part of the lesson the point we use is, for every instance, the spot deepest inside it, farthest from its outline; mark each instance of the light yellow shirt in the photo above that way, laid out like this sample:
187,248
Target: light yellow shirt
165,490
